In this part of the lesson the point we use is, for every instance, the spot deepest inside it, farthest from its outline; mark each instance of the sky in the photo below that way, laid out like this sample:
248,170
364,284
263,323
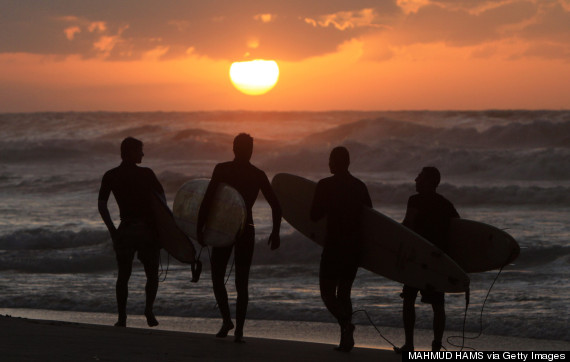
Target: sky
175,55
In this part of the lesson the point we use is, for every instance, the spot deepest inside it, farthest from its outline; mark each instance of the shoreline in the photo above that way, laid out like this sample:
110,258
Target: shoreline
326,334
40,340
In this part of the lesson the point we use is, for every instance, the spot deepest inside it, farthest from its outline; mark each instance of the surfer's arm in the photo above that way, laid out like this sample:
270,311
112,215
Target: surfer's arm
318,209
104,193
367,199
276,212
205,205
156,186
269,195
411,214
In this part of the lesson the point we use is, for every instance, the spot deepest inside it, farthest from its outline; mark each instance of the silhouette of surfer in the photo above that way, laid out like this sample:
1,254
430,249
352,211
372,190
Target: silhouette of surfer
340,198
428,214
248,180
132,187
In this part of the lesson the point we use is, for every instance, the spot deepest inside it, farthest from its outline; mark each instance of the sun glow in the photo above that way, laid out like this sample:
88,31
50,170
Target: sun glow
254,77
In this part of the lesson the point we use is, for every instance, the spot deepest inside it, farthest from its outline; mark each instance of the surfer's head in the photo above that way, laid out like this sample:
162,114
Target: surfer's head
132,150
339,160
428,180
243,147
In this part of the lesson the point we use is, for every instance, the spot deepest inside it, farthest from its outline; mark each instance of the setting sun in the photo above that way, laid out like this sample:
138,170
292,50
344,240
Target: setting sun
254,77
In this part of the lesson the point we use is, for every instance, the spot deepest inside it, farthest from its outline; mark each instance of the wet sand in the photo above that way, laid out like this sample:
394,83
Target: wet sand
24,339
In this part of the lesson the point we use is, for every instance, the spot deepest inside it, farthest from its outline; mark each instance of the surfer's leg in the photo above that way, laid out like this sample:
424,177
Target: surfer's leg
328,295
345,304
344,289
151,261
219,262
244,255
125,265
409,316
438,324
329,275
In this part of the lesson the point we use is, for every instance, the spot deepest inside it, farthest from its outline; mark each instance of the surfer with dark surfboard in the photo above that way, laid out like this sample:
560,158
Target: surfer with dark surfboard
132,187
340,198
428,214
248,180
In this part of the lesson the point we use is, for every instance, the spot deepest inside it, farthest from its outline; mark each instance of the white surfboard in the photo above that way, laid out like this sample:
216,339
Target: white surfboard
388,248
227,215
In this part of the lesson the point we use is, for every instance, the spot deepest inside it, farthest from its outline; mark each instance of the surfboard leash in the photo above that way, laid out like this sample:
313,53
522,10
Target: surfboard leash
373,325
480,317
162,268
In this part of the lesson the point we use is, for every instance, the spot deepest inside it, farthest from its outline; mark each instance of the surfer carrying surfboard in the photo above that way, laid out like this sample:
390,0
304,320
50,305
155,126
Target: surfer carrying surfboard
340,198
132,186
428,214
248,180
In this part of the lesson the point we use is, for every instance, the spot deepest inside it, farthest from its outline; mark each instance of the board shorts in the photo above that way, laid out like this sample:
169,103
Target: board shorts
428,296
337,265
136,237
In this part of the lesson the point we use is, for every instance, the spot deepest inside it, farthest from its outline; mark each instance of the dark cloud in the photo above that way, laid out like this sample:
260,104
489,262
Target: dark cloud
286,30
214,28
459,26
552,24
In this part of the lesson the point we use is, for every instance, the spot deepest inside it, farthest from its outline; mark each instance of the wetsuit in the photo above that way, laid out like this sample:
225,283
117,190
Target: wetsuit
340,198
132,187
248,180
431,214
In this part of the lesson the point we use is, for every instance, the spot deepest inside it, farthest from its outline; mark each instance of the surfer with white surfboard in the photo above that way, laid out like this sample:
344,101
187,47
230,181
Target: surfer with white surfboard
133,188
428,214
248,180
340,199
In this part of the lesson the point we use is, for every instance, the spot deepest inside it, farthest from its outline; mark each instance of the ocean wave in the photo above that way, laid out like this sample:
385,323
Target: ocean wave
85,259
46,239
503,164
544,258
539,133
475,195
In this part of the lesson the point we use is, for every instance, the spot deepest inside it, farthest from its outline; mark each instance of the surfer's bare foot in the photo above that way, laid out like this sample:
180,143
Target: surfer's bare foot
150,319
404,348
435,346
122,322
346,338
226,327
238,337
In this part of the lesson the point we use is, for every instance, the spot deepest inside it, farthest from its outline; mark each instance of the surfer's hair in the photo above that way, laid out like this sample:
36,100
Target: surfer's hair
243,144
130,145
433,177
341,157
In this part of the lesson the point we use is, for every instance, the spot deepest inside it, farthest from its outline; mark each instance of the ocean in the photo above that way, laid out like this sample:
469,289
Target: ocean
510,169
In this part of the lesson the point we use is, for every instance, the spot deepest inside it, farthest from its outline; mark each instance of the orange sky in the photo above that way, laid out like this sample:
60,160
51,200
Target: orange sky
131,55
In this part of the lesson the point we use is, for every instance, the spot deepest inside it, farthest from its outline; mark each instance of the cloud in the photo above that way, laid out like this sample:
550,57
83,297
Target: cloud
71,31
97,26
346,19
265,18
271,29
411,6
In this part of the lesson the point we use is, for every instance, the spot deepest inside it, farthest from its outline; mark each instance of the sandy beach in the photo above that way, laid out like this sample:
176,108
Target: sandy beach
40,340
40,335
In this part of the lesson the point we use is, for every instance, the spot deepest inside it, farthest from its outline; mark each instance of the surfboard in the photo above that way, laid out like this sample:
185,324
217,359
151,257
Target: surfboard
387,247
170,236
479,247
227,216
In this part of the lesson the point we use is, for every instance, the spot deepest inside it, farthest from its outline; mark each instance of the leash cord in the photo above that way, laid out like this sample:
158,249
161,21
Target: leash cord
480,318
373,325
162,268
